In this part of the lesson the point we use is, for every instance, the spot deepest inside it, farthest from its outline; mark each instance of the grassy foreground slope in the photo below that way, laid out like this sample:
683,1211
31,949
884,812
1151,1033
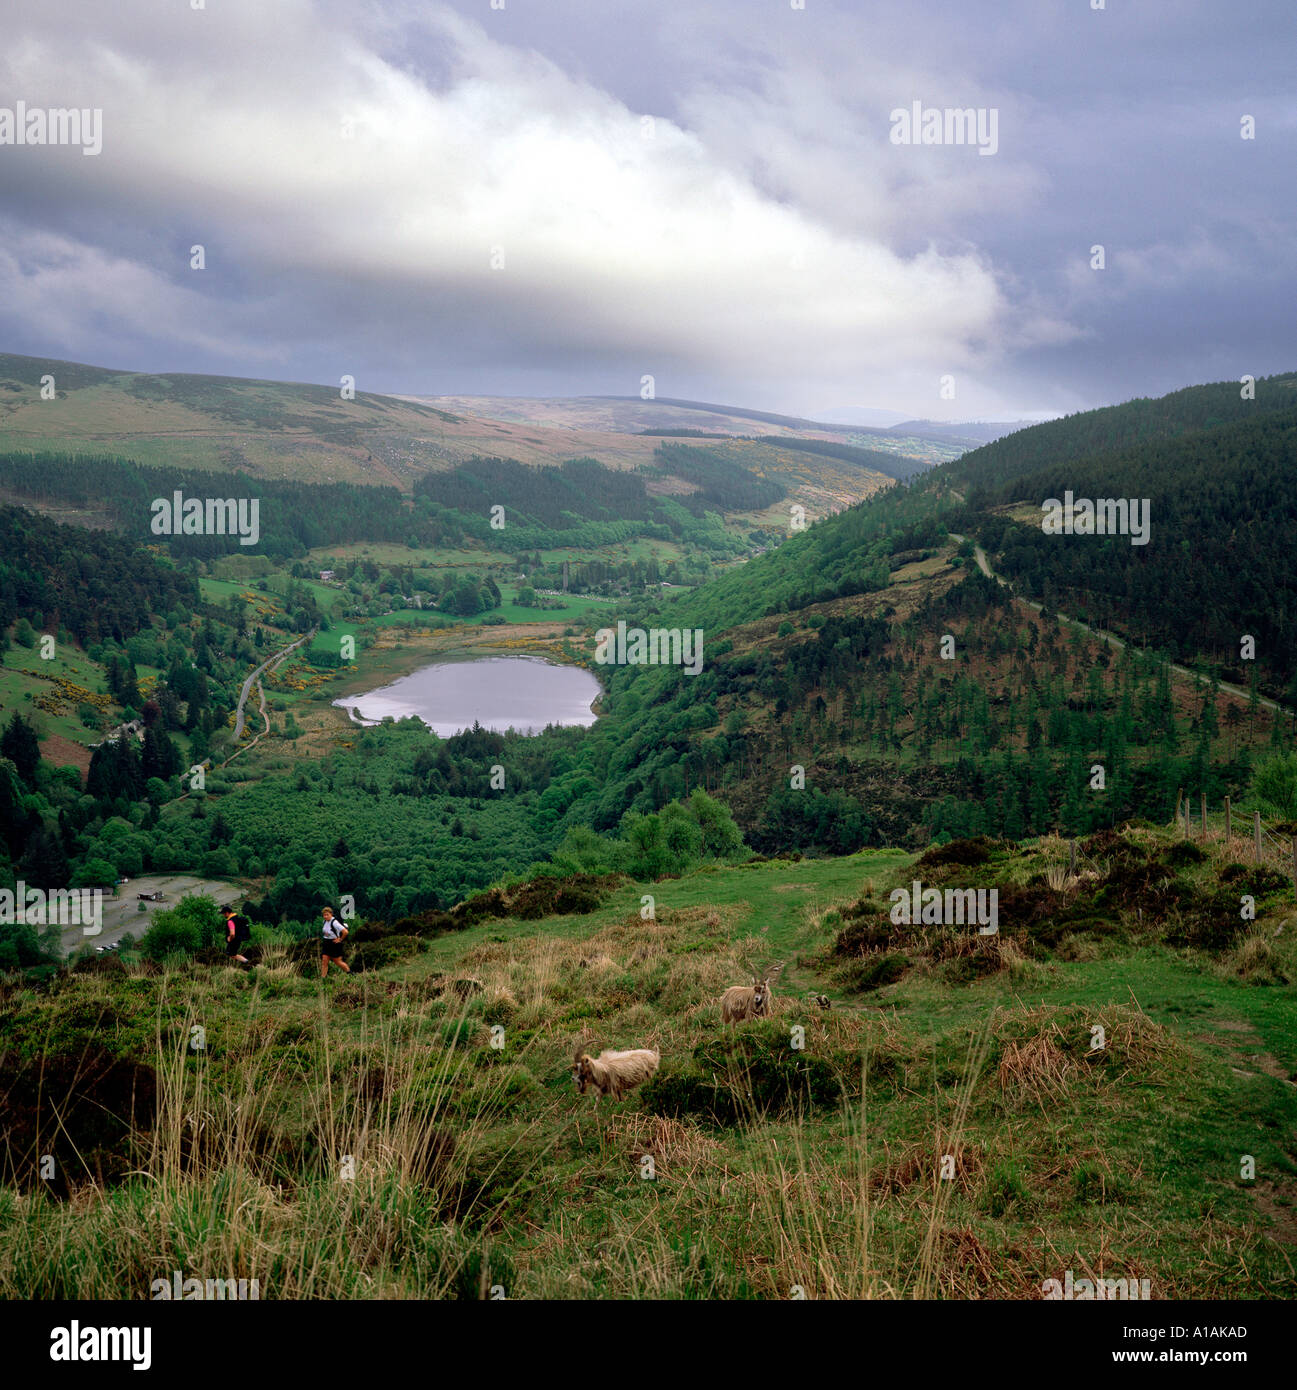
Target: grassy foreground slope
365,1138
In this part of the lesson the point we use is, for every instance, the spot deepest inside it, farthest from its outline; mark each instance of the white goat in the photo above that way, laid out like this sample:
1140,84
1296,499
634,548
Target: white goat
613,1073
748,1001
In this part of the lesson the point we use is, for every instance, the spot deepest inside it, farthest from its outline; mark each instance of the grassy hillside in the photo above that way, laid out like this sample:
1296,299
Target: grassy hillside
1090,1081
293,430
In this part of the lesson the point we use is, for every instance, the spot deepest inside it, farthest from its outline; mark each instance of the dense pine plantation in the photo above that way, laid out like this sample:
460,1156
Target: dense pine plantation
583,502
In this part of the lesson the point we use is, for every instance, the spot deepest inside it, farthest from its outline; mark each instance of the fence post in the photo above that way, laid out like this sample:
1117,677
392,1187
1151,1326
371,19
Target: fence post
1179,796
1204,815
1229,825
1256,833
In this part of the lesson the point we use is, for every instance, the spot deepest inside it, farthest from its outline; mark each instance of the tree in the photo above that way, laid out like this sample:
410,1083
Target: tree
20,745
115,771
21,946
681,837
1275,780
95,873
1233,718
585,851
16,821
465,600
159,756
647,856
721,837
44,863
218,863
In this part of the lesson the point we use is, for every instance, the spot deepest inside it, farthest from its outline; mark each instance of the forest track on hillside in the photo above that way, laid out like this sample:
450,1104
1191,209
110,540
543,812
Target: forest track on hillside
1110,638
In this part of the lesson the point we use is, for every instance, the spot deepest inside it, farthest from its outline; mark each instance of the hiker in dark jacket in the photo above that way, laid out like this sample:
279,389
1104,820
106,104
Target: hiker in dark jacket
333,933
237,932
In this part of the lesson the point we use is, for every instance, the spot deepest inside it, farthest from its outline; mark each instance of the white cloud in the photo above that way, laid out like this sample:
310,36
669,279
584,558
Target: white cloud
675,251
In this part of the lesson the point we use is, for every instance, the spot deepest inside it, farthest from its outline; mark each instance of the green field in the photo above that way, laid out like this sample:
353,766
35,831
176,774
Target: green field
221,590
421,557
26,679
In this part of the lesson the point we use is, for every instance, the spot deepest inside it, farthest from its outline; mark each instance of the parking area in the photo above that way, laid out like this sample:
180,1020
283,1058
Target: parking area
122,912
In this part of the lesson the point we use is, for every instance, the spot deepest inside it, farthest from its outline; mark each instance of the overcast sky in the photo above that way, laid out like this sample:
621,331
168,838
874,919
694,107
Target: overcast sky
445,198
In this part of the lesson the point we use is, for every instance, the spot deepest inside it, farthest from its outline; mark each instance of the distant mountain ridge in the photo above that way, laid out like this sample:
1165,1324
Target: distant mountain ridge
983,431
312,432
923,429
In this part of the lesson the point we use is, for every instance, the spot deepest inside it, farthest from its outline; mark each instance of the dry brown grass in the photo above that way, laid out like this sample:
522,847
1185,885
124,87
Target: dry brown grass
1038,1068
921,1166
1259,958
677,1146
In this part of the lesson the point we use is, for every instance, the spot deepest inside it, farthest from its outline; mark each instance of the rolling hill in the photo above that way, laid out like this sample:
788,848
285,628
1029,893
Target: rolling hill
922,442
826,653
294,430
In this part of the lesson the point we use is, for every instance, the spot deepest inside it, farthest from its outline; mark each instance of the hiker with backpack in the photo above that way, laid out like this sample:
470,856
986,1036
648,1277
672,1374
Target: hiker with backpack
333,933
237,932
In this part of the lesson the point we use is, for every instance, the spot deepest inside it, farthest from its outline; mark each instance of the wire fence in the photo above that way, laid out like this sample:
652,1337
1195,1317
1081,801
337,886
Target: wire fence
1240,836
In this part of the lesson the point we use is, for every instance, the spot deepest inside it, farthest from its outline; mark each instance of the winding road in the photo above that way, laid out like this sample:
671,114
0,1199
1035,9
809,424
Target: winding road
270,663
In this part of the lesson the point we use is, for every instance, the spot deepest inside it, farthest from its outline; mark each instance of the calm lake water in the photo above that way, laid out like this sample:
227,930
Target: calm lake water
500,692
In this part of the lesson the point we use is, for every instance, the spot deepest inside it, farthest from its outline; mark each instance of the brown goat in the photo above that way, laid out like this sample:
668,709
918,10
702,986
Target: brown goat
748,1001
613,1073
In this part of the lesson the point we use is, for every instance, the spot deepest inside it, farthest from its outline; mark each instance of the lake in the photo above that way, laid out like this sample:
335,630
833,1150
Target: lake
499,692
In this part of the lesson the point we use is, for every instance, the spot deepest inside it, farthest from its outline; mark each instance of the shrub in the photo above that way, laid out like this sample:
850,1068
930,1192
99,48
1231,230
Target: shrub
195,923
373,955
680,1093
1254,878
862,937
1275,782
976,850
1184,852
170,934
877,971
747,1073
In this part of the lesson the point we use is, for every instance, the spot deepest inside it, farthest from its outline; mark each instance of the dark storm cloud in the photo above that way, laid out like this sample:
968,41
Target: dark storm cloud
500,217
